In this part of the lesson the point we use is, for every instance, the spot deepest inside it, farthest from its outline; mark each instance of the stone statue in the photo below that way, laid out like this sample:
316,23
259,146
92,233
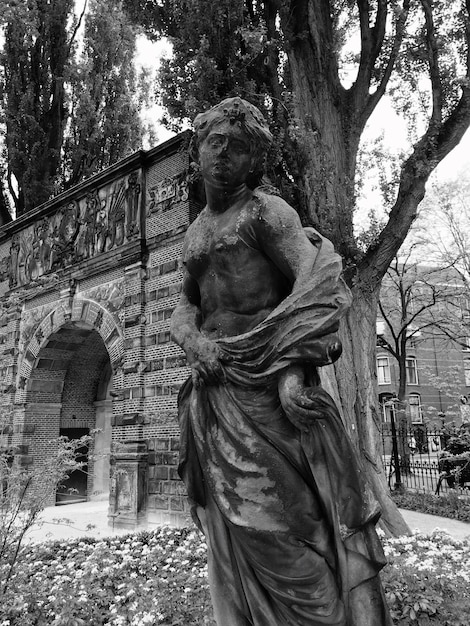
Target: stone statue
273,480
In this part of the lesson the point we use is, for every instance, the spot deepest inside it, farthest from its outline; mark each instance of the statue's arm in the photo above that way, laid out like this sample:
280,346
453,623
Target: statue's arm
204,355
302,402
291,387
282,238
186,319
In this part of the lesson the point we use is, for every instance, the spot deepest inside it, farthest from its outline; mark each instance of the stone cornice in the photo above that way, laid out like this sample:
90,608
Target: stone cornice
139,159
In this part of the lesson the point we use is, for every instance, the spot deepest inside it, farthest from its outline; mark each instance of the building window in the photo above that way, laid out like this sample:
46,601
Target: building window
411,371
386,403
163,337
466,370
413,334
383,370
465,308
416,413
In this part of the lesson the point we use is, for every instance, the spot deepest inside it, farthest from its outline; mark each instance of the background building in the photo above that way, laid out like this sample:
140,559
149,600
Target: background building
423,351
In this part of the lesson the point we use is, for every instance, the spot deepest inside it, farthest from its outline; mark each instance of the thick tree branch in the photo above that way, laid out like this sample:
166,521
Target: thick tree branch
433,59
371,44
378,31
359,101
308,28
435,144
374,98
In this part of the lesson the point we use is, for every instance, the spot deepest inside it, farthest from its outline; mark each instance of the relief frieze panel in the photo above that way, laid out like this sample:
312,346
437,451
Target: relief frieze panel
81,229
166,193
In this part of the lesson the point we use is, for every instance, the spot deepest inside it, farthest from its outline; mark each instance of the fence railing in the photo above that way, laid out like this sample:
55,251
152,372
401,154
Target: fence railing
418,451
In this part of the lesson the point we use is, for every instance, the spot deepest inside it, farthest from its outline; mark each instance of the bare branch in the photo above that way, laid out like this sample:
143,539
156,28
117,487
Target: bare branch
435,144
77,26
388,321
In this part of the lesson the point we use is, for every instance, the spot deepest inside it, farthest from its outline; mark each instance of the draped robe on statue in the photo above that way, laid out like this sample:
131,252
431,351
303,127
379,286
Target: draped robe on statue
288,517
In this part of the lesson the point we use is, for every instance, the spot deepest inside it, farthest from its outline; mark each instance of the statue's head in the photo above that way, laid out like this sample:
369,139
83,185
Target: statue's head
238,112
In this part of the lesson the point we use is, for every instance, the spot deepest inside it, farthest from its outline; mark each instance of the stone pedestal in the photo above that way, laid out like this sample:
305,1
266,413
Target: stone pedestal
128,493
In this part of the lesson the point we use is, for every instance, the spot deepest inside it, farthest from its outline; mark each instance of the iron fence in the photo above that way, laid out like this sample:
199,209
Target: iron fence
418,452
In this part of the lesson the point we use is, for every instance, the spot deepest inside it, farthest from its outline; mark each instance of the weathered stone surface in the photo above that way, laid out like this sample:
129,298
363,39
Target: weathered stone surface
275,483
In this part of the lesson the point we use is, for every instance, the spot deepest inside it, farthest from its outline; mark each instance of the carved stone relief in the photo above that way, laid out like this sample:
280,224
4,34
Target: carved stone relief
30,321
167,192
81,229
4,268
110,296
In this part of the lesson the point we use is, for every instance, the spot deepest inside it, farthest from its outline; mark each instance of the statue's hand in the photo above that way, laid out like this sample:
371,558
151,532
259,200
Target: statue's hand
206,360
302,404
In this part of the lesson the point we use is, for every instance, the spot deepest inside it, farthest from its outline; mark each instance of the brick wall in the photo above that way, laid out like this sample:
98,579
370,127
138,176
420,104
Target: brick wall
104,312
167,496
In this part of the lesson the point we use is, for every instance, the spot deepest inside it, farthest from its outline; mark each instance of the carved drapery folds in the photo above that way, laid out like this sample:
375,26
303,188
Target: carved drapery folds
104,219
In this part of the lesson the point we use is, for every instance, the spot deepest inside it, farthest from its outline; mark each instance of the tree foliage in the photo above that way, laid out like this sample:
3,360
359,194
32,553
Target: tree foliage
69,106
35,64
105,97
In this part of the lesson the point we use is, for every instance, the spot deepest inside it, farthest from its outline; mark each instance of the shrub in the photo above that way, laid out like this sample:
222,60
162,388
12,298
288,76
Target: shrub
457,439
426,581
450,505
24,494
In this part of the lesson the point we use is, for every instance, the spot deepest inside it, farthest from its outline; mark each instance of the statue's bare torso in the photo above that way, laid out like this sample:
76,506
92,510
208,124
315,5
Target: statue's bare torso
242,255
239,285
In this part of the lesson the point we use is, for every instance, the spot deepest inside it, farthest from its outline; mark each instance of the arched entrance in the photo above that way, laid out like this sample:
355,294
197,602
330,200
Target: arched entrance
68,391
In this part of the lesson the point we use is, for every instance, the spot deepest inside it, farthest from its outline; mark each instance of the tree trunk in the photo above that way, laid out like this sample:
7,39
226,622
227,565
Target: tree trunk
326,150
357,396
327,136
329,195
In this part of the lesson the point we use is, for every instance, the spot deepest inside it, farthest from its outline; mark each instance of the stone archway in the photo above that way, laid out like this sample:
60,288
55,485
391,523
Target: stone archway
68,394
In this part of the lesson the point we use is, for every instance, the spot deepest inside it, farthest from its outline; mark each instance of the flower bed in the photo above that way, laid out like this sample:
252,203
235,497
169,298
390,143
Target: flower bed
427,580
132,580
160,578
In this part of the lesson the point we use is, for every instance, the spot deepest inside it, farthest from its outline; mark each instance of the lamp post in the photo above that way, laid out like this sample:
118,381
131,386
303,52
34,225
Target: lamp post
395,455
